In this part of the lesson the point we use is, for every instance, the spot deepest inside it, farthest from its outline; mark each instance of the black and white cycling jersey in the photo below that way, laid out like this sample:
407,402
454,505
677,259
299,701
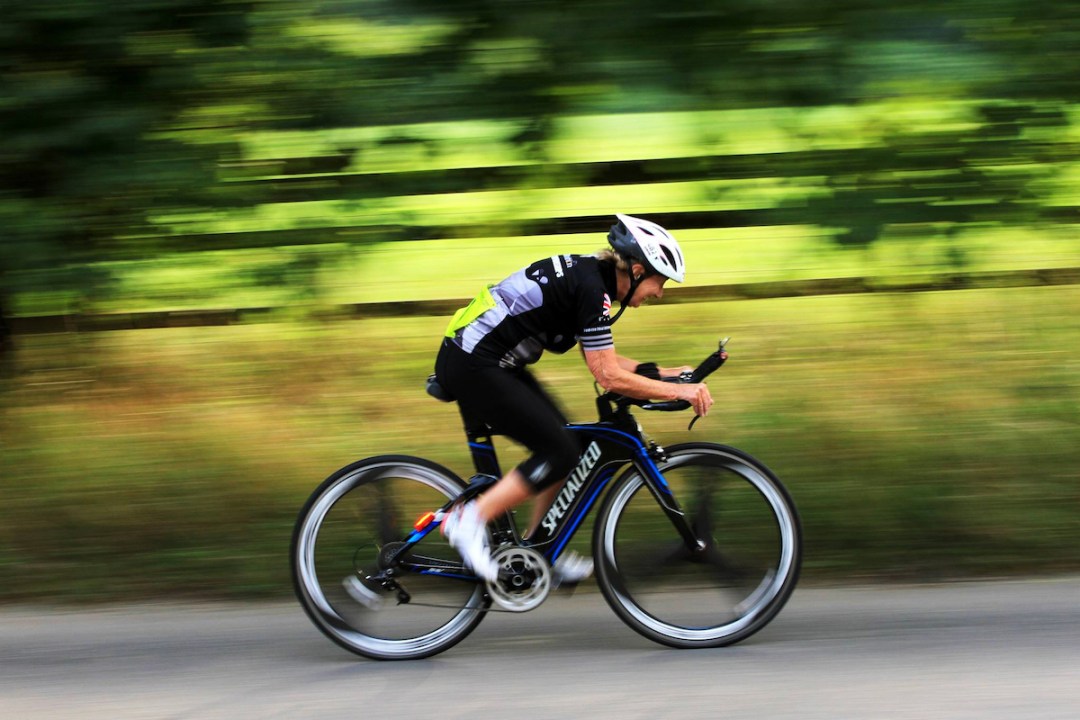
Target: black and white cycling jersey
552,304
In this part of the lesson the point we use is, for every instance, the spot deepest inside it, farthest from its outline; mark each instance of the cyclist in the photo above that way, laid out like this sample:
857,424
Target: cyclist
552,304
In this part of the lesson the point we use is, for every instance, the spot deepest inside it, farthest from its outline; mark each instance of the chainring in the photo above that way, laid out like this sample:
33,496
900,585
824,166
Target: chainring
524,579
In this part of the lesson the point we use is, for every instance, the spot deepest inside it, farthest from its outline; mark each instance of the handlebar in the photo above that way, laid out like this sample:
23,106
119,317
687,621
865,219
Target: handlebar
707,367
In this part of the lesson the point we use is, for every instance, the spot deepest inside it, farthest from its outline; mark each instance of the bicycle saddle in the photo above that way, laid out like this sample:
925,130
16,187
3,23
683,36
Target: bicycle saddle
437,391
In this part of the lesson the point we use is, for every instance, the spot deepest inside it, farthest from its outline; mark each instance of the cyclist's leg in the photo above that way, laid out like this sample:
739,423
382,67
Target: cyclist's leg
519,414
516,405
541,502
555,452
546,495
511,403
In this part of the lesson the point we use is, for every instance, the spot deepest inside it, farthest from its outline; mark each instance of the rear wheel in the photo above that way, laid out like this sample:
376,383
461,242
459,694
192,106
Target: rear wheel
346,531
724,591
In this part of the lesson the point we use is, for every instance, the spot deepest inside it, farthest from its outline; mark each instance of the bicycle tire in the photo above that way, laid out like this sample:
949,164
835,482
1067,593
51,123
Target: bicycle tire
731,589
340,531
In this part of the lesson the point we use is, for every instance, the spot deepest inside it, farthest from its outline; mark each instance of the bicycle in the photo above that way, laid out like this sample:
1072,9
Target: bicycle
696,545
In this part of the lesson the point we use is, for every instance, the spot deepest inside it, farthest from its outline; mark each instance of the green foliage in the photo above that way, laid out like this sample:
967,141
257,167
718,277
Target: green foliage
88,85
125,125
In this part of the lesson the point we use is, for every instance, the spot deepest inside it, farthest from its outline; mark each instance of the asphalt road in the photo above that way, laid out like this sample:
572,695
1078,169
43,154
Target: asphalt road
982,650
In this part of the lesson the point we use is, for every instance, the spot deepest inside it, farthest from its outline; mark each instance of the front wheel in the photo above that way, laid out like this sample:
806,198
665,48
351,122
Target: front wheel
348,529
725,590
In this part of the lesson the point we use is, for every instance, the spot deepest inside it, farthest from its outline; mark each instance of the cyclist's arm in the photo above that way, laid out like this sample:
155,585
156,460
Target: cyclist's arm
616,374
631,365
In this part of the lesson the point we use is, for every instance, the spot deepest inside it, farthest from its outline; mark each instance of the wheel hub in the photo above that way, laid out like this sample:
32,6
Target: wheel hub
386,552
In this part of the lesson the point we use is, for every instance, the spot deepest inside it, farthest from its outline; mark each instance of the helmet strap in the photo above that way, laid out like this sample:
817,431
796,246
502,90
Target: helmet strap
625,303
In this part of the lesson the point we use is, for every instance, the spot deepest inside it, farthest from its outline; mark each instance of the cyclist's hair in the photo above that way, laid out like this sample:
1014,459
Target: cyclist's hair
609,255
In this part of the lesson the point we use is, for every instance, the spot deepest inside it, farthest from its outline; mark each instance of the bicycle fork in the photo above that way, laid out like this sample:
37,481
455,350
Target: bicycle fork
656,483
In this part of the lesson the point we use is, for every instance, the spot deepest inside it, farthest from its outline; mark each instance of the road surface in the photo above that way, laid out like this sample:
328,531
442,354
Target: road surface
982,651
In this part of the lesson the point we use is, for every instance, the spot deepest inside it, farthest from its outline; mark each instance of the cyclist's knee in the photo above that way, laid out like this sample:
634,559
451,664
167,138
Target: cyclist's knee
544,469
566,460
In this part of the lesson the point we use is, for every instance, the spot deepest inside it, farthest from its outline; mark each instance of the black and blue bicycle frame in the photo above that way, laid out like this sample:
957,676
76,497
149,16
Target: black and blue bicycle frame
607,447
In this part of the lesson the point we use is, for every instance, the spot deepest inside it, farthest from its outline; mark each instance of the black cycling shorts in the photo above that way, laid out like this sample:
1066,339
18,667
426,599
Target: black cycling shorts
511,402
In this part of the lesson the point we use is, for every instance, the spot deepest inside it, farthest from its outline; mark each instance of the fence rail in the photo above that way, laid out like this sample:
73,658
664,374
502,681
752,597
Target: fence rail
936,282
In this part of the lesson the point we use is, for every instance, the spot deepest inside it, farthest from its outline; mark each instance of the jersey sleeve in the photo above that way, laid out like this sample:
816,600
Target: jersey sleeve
594,317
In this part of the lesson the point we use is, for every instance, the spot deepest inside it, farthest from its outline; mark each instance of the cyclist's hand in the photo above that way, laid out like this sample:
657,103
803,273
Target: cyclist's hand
697,394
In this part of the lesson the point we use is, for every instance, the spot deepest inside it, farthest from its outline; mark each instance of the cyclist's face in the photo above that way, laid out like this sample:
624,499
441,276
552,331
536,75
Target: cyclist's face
650,288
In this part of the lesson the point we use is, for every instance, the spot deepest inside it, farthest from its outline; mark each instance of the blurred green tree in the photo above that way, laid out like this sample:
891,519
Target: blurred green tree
89,88
114,115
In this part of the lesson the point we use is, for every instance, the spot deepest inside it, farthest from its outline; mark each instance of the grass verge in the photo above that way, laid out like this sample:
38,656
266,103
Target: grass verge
922,435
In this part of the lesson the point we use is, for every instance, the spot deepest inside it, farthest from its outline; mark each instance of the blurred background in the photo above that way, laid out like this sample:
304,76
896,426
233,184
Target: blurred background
232,232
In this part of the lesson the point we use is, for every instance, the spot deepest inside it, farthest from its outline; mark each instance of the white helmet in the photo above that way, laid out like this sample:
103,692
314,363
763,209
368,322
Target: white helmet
649,244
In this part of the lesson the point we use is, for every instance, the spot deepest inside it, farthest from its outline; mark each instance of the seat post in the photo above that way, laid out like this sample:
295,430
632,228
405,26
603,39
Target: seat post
481,446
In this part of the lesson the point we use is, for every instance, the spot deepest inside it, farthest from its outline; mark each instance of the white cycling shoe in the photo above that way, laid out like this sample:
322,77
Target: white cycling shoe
571,568
467,534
